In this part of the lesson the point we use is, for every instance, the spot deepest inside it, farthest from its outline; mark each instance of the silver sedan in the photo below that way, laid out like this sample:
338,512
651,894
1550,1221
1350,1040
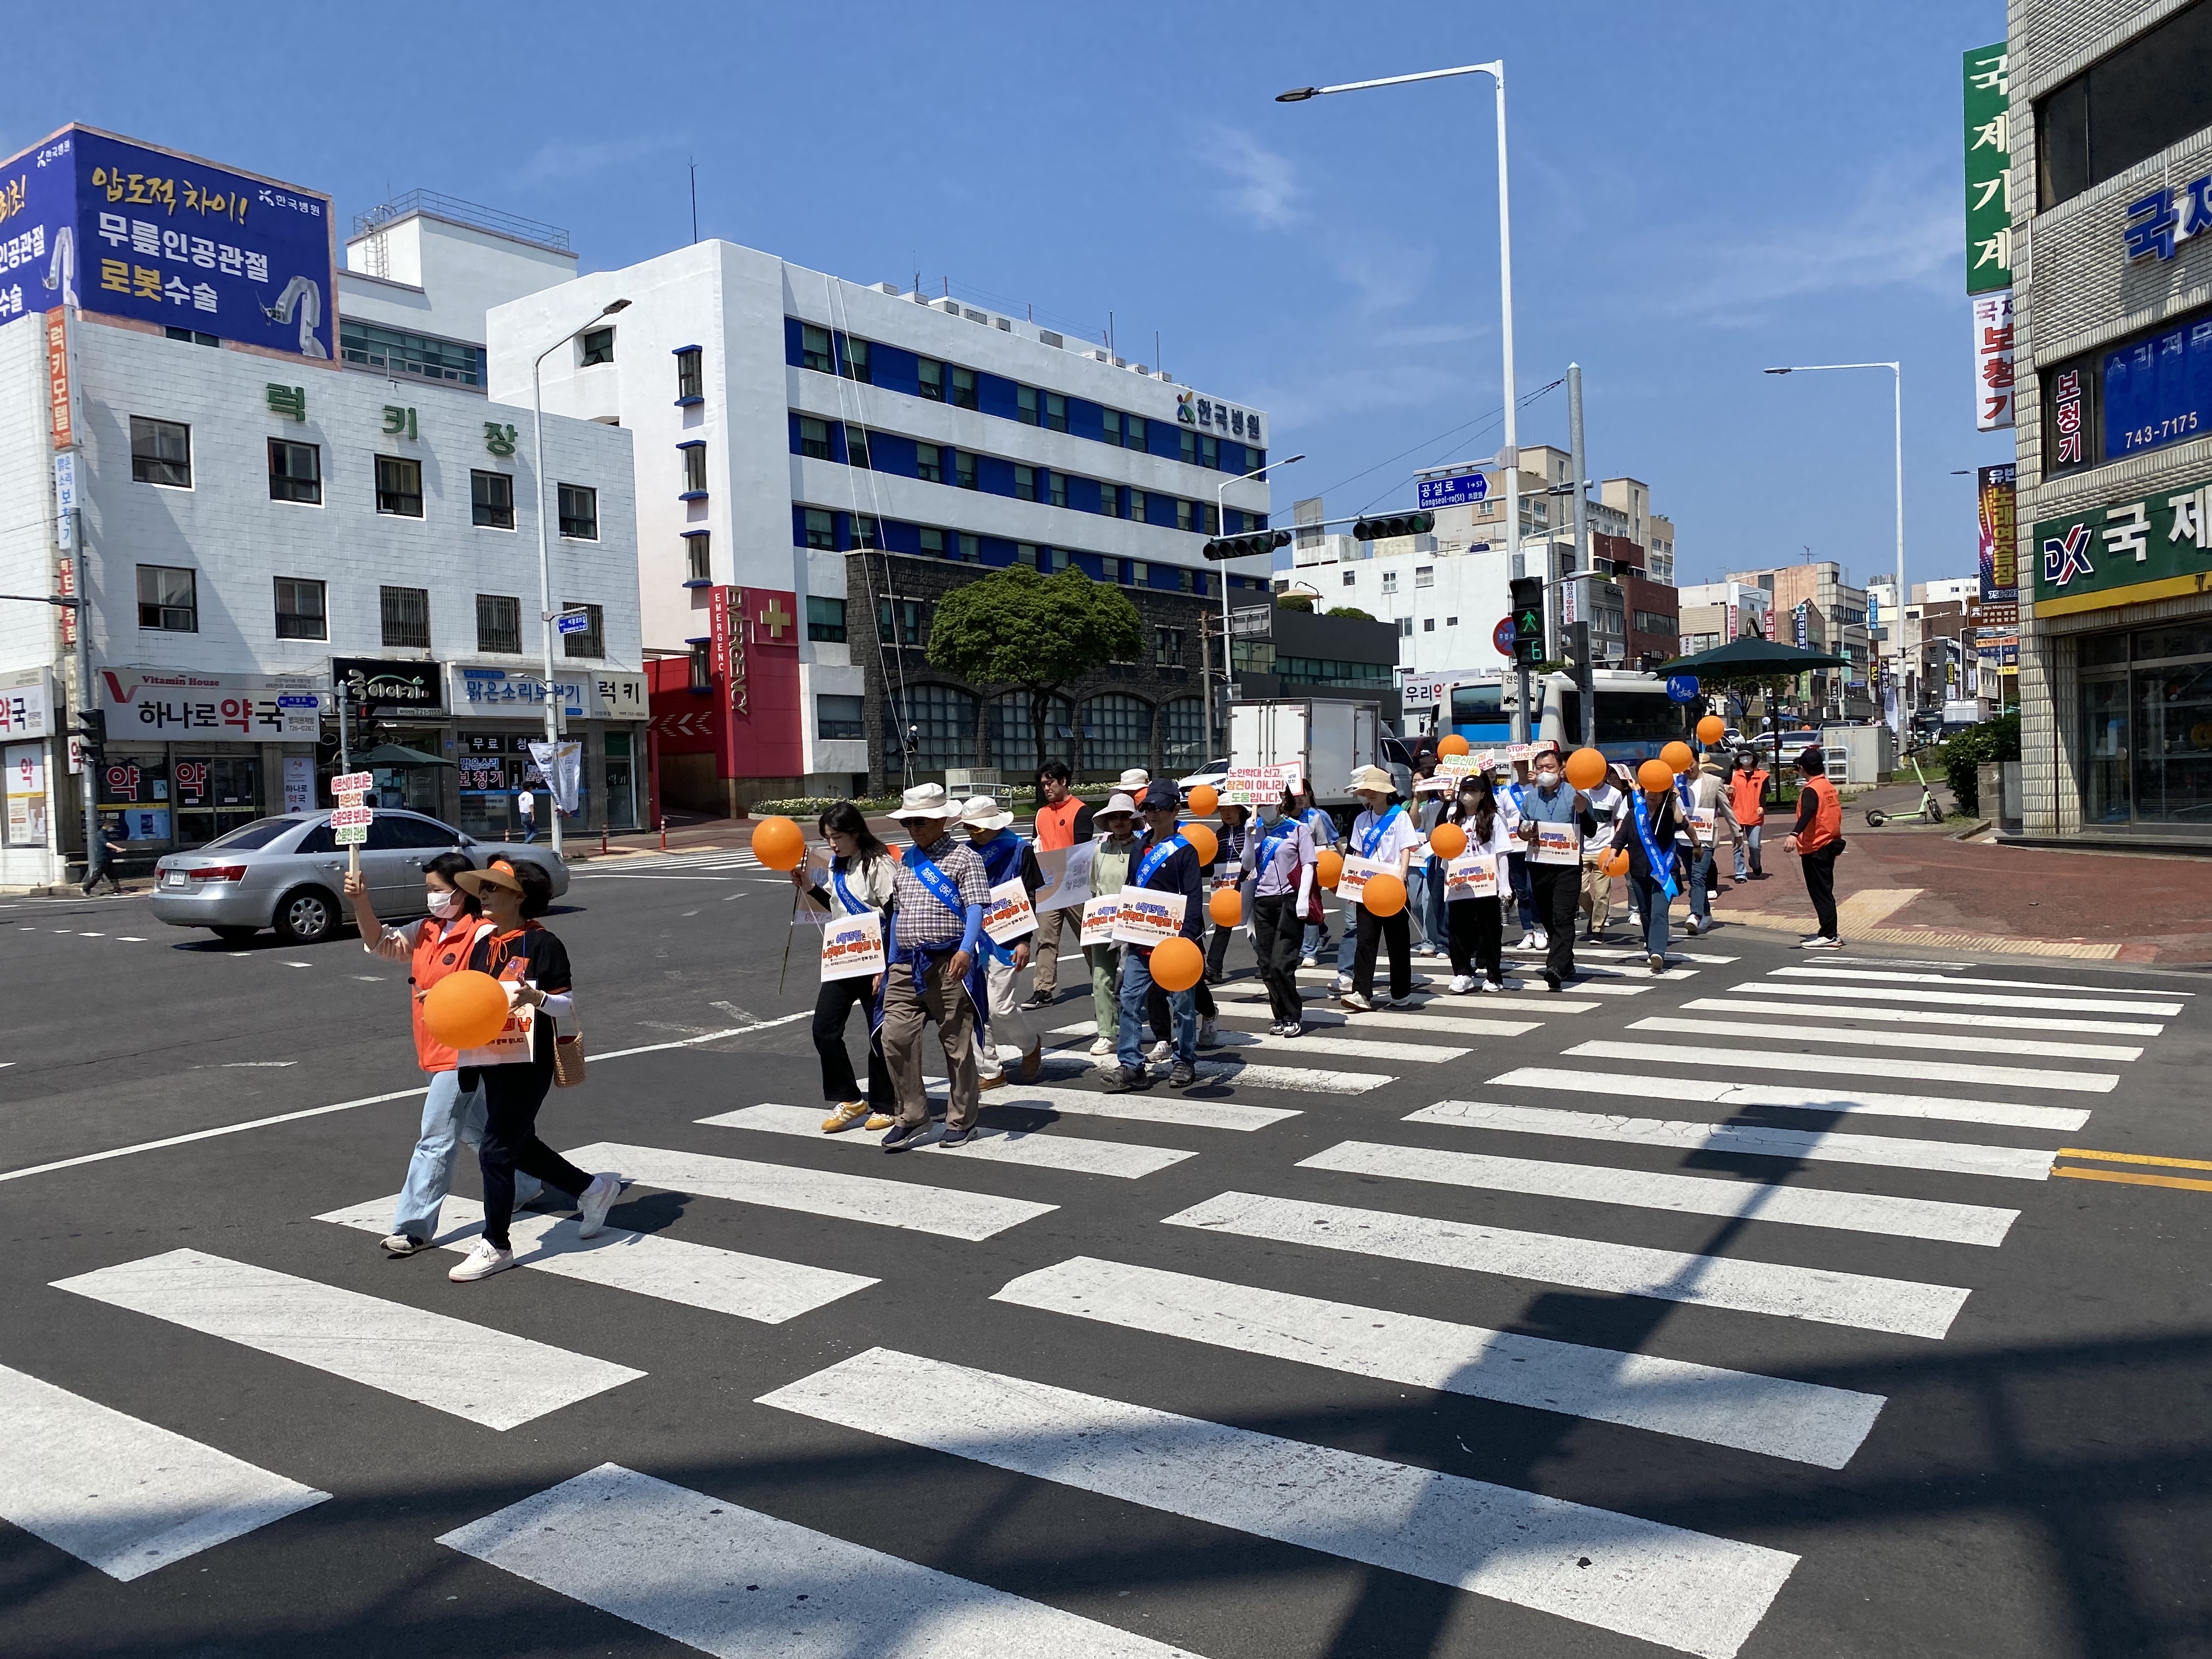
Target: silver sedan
288,873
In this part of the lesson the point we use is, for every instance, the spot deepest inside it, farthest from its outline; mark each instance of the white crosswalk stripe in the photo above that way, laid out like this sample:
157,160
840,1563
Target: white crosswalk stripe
1132,1108
1323,1044
1684,1589
1298,1079
1748,1201
1920,999
1822,970
1821,1295
471,1371
756,1287
733,1582
1785,1036
1804,1422
1749,1140
1839,1099
939,1210
1396,1019
1486,1007
1035,1150
123,1495
1935,1071
1922,1016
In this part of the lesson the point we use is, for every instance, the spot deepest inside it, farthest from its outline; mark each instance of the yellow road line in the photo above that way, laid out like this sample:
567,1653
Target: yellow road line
2136,1180
2133,1158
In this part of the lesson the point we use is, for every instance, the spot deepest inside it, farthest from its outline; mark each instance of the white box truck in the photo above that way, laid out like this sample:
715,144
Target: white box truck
1331,739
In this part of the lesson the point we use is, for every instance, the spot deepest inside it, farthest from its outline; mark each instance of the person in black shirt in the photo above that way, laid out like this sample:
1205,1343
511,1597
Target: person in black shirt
518,951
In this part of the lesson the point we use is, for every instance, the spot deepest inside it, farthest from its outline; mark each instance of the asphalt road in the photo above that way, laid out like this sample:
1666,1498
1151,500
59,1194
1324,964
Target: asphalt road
1265,1371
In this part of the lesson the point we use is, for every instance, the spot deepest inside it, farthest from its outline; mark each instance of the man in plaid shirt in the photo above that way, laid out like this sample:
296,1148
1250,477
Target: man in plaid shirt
939,893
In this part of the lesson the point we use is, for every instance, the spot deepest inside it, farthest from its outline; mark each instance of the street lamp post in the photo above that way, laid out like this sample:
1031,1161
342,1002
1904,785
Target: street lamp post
1221,528
546,613
1897,391
1508,459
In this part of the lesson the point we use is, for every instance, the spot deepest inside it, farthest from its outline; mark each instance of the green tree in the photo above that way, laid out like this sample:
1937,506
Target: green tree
1992,740
1295,602
1038,634
1352,610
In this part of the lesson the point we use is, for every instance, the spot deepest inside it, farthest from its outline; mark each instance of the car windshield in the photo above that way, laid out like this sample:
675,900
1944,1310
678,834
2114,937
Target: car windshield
248,836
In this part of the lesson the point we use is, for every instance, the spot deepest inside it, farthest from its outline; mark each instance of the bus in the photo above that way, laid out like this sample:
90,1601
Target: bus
1635,717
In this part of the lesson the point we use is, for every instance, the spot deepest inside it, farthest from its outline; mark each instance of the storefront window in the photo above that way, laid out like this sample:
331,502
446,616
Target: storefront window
2105,751
134,800
216,794
2173,744
491,771
2146,734
622,783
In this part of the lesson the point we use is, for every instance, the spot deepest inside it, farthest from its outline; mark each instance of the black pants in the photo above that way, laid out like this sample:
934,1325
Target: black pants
1821,884
513,1095
833,1003
1558,890
1216,950
1160,1017
1374,930
1476,928
1277,929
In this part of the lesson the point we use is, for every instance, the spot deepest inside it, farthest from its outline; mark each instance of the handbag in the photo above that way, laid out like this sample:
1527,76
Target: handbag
568,1059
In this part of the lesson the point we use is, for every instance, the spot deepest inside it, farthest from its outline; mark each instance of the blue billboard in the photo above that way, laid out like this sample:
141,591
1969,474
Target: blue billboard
101,222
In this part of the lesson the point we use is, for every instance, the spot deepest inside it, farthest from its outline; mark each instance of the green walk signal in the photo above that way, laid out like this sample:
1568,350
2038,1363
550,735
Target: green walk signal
1527,601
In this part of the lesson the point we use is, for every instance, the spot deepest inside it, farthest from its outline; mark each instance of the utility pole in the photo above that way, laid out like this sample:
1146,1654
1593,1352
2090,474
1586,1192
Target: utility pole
1584,570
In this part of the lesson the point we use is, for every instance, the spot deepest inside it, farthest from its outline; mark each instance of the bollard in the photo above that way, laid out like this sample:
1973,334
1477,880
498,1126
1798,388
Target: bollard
603,841
664,835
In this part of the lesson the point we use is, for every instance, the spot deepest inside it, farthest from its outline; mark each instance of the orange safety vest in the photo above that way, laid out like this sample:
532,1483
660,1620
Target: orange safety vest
1827,826
440,949
1747,796
1061,820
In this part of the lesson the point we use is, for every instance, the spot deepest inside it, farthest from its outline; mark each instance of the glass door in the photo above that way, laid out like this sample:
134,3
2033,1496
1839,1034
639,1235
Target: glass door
2173,745
622,790
2104,748
216,794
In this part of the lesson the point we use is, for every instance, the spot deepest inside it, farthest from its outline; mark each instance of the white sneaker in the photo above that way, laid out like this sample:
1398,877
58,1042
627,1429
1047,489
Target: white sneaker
1695,927
1340,984
1103,1048
405,1244
594,1202
481,1261
1208,1036
1821,942
1309,962
1490,987
1353,1000
1161,1051
1527,942
1543,941
1462,985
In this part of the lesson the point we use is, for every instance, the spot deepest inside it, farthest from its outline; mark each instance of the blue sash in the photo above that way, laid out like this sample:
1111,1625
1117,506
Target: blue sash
1374,836
1269,838
853,905
1149,865
1659,864
1001,856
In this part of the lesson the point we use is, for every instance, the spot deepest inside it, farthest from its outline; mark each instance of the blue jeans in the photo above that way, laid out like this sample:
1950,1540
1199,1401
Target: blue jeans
1701,883
1746,846
449,1117
1434,923
1183,1009
1417,906
1524,890
1315,939
1651,899
1348,946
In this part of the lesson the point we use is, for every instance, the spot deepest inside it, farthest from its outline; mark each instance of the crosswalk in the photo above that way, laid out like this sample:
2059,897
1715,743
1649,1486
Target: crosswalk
705,864
1462,1152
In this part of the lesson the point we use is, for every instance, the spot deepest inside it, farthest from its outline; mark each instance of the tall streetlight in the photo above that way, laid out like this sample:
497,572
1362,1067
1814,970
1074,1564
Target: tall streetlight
546,612
1897,389
1508,459
1221,528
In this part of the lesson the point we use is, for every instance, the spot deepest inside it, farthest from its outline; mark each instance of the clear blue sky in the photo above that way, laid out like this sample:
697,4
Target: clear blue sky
1699,189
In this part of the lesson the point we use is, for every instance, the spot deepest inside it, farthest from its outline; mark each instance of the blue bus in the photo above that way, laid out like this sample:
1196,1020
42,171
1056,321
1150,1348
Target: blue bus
1635,718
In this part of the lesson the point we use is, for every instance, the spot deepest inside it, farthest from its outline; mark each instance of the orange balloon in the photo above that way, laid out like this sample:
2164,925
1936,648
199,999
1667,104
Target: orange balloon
1204,798
1384,895
1452,744
1328,866
1226,907
1679,756
465,1010
1586,769
1447,840
1654,775
1177,965
1615,864
778,844
1202,842
1712,730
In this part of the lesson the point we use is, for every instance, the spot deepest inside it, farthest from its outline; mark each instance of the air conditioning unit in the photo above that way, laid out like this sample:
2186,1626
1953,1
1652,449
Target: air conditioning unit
1005,327
975,316
950,307
892,288
1100,356
1049,337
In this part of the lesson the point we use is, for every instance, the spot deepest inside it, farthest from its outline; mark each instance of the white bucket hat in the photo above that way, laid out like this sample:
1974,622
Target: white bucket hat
1119,803
926,801
1134,780
1372,778
982,812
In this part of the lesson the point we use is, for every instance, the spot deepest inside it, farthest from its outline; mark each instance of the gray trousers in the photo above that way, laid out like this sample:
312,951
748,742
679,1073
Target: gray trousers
943,1000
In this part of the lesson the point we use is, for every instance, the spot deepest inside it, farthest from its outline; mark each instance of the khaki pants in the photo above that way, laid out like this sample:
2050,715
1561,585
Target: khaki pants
1597,895
1044,953
1105,962
1008,1027
943,1000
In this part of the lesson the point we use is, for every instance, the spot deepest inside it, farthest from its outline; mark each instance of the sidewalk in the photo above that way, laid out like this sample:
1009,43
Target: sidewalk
1913,885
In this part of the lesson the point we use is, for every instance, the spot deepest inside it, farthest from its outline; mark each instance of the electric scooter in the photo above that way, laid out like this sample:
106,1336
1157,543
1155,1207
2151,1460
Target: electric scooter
1929,811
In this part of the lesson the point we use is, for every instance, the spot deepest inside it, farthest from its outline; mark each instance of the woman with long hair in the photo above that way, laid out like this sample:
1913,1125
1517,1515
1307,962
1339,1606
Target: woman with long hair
1474,927
519,1071
860,878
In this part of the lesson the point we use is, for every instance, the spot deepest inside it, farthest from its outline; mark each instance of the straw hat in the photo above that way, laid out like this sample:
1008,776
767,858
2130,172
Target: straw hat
1118,804
474,881
1372,779
1134,780
982,812
926,801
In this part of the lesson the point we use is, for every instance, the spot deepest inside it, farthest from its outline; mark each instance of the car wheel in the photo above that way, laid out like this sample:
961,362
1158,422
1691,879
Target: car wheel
306,915
235,935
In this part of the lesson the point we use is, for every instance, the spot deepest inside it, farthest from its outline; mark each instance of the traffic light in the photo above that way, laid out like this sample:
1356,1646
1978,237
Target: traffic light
1395,524
1246,547
92,726
1527,598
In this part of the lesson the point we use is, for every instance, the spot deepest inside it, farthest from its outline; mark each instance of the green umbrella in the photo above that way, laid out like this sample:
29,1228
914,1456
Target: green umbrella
1753,658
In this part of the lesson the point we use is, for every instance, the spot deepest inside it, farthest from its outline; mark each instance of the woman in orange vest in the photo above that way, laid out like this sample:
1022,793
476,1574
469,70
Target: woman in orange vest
1817,841
434,947
1747,795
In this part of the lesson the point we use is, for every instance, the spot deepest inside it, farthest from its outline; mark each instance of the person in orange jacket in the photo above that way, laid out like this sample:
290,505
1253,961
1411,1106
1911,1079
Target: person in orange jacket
1817,841
1747,795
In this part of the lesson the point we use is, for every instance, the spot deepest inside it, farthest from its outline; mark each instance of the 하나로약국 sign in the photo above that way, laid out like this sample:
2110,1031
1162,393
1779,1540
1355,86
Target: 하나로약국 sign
108,224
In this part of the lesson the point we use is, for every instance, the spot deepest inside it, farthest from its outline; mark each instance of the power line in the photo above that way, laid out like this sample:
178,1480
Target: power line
1493,418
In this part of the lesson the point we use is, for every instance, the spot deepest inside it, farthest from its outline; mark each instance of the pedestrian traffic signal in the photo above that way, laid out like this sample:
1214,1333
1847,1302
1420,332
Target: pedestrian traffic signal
1246,547
92,725
1395,524
1527,595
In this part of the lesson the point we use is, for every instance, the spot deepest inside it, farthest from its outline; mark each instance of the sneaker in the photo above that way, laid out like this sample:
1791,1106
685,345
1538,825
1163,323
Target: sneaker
1462,985
1656,964
404,1244
904,1135
1493,986
1126,1078
879,1121
483,1259
1209,1035
1430,951
1553,982
1822,942
849,1113
1356,1002
1695,927
1161,1052
594,1202
1527,942
1042,1000
1033,1063
1103,1048
956,1137
1340,984
1543,940
1309,962
1183,1075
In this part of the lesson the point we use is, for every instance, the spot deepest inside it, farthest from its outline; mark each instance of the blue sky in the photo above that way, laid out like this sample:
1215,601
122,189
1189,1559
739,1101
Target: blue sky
1699,189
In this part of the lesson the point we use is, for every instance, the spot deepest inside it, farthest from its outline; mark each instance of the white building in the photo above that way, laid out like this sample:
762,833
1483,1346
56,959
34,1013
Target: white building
818,459
1715,613
258,524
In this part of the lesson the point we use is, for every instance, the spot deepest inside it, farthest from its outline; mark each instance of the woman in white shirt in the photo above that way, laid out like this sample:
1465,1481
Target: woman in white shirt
859,878
1476,926
1384,835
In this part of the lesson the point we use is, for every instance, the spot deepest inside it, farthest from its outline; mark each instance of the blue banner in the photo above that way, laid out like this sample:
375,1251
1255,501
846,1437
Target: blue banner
101,222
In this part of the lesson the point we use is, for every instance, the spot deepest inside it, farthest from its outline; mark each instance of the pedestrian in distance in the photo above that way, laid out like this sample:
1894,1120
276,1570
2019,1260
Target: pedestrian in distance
1165,862
1323,828
1062,822
452,1115
1818,842
516,1076
1708,792
1747,797
939,897
858,880
1001,963
1114,849
1278,869
1475,927
1552,802
525,812
1383,834
1646,832
112,847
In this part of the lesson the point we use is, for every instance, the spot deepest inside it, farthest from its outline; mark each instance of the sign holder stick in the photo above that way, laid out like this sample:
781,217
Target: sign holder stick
786,941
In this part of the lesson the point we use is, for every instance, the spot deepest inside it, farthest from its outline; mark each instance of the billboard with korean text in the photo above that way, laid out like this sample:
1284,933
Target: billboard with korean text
111,225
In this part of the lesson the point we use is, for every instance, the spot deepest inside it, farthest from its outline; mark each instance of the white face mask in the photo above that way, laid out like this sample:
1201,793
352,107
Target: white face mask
446,905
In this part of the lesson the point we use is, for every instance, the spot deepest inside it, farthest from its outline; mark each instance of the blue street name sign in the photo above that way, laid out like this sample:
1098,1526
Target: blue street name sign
1468,486
573,625
1682,687
301,700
